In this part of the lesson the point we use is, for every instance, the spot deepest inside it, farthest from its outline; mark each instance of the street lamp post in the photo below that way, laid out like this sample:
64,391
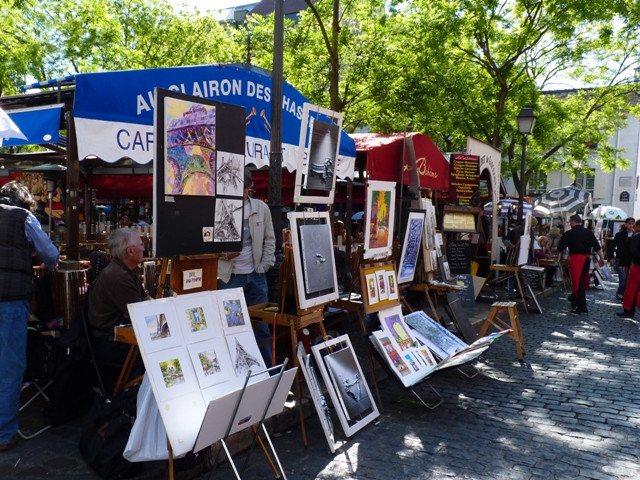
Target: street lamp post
526,122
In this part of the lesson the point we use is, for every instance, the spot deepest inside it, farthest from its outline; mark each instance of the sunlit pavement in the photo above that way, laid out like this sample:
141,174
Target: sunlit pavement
570,410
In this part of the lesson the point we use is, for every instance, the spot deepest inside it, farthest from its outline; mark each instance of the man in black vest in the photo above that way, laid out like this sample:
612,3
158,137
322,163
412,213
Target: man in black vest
581,242
20,236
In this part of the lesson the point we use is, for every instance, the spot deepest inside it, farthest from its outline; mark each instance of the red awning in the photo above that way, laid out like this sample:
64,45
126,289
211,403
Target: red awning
384,157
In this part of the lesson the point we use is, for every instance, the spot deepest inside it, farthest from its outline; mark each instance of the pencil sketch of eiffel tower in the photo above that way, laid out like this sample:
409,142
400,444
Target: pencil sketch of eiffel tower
244,360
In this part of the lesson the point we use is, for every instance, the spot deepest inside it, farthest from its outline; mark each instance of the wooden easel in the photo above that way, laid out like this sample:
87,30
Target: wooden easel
273,313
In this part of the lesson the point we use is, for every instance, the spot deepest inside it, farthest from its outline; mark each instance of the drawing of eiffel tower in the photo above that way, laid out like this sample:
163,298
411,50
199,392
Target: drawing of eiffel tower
244,360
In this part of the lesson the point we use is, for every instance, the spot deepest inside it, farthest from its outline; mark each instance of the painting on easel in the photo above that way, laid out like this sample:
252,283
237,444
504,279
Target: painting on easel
315,268
380,211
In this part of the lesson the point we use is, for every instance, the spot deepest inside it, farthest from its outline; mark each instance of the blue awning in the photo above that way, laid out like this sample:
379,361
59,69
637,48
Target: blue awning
39,124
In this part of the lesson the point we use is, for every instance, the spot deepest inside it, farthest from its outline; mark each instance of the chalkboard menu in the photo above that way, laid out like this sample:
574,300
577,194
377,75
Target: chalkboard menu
459,257
464,178
467,295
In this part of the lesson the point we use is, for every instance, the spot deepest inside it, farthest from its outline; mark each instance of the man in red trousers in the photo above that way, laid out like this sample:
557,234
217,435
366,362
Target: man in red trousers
632,288
580,242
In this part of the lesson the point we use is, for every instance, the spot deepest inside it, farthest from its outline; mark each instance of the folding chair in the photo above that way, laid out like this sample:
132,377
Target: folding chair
38,376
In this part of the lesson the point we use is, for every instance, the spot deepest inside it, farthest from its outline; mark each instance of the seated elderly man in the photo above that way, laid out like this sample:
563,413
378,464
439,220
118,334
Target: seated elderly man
116,286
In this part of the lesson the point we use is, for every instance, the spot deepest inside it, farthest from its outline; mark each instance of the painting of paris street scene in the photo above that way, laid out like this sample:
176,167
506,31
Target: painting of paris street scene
172,372
197,321
209,362
157,326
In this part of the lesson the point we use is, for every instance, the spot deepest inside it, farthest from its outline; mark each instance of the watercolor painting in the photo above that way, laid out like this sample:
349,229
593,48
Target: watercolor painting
190,148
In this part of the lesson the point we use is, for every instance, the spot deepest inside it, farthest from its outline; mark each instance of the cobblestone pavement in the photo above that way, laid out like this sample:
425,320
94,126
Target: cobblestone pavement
570,410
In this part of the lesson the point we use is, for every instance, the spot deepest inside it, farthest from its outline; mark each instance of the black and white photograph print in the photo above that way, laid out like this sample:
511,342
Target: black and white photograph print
322,155
317,258
345,383
228,221
230,174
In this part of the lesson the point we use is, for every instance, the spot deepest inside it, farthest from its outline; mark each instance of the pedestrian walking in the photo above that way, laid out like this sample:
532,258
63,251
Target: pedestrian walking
580,242
619,255
632,288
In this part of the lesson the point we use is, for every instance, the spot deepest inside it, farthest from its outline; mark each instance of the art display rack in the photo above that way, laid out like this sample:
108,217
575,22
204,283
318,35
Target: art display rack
255,429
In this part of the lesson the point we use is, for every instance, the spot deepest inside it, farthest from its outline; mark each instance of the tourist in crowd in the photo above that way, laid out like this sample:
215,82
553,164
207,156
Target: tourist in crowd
247,268
554,239
580,242
632,287
117,285
20,236
619,255
543,252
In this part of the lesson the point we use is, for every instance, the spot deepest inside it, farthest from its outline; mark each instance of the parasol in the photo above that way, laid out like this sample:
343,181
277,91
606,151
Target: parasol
608,213
561,200
508,206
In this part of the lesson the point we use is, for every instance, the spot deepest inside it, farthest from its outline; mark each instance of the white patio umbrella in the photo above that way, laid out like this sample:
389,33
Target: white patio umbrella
8,128
561,200
608,213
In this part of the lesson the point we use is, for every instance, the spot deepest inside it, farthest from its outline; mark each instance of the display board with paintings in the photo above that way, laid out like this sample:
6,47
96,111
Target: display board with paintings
317,155
379,286
345,383
379,219
415,346
198,175
313,258
197,348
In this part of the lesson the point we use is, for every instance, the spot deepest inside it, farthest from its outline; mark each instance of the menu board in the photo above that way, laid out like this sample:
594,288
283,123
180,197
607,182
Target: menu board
464,178
459,256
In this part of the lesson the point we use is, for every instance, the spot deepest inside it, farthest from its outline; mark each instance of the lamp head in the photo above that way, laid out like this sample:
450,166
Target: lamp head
526,120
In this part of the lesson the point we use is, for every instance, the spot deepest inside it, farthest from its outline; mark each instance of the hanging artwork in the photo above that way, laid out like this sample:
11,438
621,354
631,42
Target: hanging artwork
198,169
228,221
156,324
317,155
190,142
379,218
229,174
198,316
411,246
211,362
233,311
346,384
172,373
313,258
245,355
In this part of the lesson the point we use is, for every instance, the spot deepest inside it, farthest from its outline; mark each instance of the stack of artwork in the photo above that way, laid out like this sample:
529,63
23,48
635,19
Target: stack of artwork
196,348
416,346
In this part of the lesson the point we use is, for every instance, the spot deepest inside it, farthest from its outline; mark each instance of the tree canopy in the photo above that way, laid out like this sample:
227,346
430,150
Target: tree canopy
448,68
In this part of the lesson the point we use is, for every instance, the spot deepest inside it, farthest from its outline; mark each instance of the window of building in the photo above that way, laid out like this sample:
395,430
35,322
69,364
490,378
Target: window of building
537,183
587,181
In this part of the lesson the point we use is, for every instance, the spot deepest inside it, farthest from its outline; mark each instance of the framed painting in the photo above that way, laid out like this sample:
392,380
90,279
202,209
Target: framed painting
234,315
171,373
227,226
317,155
411,246
155,324
379,287
440,340
379,218
313,258
198,317
211,362
319,400
346,384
